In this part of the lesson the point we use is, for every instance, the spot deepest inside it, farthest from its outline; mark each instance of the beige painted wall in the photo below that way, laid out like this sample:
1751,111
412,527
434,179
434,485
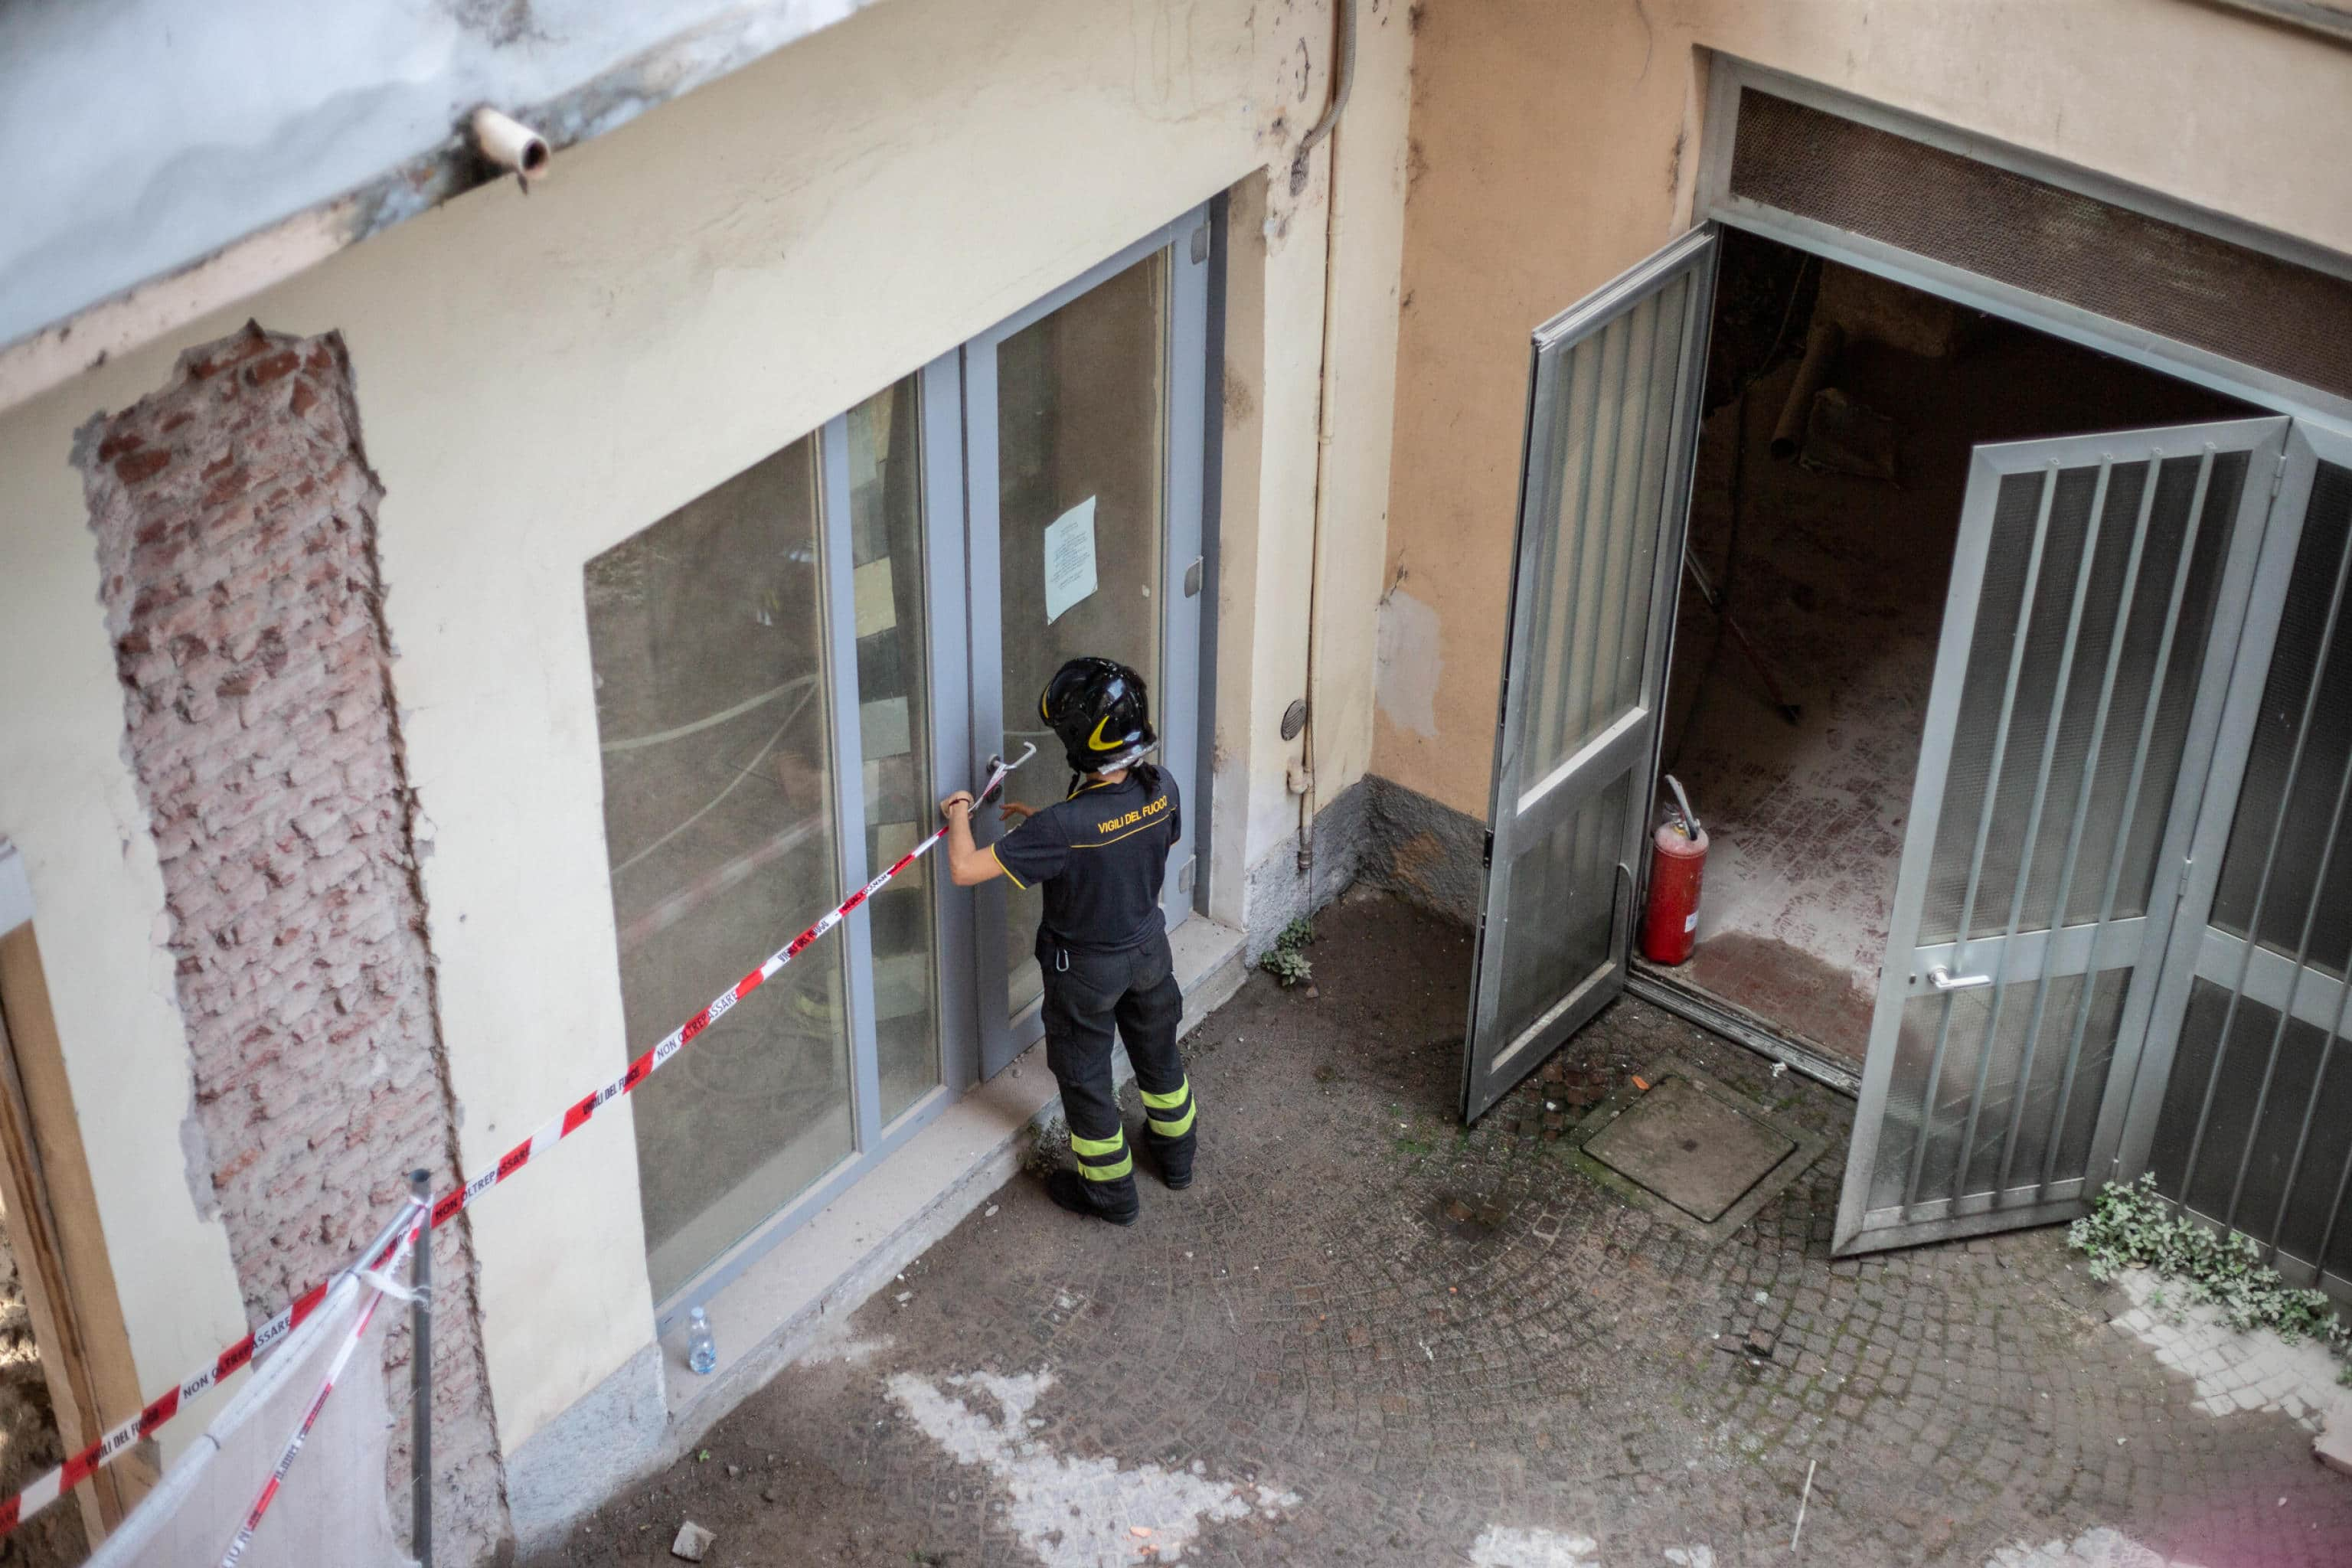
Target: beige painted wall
1551,149
1283,254
68,801
539,379
1368,253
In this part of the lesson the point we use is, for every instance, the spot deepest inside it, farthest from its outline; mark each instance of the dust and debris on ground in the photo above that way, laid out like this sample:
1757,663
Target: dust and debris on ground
1369,1335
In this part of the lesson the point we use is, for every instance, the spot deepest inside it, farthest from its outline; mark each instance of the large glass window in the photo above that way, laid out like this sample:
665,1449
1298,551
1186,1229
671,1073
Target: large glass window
716,704
708,632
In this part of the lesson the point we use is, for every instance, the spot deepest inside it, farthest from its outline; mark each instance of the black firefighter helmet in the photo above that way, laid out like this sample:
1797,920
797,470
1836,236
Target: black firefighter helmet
1101,710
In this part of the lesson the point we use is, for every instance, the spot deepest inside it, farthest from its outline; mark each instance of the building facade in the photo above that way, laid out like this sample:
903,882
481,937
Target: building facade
444,652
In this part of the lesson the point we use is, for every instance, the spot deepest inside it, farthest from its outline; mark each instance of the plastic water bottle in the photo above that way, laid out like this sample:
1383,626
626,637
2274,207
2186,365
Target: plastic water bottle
701,1349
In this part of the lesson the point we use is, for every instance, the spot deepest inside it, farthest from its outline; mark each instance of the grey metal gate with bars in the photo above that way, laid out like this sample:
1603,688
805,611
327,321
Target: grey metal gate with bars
2122,930
2122,935
1612,420
2098,587
2244,1107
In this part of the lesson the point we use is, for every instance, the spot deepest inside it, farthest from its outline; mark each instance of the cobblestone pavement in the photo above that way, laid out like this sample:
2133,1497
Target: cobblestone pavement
1366,1335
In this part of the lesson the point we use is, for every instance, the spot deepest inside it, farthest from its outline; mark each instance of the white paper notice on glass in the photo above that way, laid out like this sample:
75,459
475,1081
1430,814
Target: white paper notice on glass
1069,559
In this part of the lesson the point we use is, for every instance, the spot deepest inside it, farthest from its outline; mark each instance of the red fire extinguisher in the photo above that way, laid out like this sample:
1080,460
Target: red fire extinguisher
1677,863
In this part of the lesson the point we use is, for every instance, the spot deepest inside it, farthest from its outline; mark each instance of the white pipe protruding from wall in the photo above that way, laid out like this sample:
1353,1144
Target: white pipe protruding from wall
510,144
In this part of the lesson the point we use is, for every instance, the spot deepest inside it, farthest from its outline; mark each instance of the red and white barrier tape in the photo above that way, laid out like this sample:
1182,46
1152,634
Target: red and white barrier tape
411,1229
47,1489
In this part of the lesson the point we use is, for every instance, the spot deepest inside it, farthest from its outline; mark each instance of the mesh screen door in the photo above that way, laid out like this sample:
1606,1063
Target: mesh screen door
1612,417
2098,587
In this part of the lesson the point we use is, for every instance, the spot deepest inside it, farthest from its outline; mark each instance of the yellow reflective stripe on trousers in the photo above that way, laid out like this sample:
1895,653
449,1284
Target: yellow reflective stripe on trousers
1176,1129
1098,1147
1107,1172
1168,1101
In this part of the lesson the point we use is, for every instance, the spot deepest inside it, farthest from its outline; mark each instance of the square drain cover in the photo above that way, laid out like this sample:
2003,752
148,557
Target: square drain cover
1690,1148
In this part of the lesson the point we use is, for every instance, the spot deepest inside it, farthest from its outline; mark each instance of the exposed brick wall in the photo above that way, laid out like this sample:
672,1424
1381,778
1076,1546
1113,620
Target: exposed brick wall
236,520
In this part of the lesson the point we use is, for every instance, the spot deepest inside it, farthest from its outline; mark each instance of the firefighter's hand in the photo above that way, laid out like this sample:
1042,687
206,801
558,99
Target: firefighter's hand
957,805
1014,812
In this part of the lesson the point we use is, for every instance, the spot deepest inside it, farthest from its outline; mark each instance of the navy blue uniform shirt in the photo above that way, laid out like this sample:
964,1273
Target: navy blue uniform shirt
1101,857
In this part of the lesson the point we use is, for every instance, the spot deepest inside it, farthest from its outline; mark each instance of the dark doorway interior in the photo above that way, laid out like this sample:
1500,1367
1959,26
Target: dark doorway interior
1837,577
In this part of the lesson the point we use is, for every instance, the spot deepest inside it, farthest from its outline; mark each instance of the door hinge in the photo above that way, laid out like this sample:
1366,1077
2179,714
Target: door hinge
2180,888
2278,476
1487,855
1193,578
1201,245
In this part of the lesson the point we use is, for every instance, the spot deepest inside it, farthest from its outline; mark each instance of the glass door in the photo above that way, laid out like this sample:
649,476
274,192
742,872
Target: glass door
2097,590
1612,417
1084,419
792,668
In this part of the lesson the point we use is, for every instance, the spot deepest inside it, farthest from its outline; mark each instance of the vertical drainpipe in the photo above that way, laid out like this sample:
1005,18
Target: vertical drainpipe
1343,82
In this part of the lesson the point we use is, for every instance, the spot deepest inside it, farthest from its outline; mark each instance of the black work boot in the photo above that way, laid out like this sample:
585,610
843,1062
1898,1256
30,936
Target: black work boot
1073,1192
1168,1133
1173,1157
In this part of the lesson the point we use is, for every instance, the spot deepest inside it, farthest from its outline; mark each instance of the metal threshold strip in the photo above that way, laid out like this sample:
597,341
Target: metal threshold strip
1663,989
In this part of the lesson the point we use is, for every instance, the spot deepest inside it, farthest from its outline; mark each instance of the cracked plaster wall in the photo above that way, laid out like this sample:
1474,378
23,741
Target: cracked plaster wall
1285,253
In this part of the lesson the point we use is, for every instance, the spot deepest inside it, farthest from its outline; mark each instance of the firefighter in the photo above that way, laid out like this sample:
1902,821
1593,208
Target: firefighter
1101,855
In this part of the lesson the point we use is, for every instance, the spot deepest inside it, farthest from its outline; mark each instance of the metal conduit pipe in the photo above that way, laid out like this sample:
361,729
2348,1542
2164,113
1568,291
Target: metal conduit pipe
1343,82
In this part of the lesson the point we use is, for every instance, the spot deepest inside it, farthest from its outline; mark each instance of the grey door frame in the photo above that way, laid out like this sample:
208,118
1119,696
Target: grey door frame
940,409
2197,949
1490,1067
2016,956
939,406
1179,699
957,410
1728,76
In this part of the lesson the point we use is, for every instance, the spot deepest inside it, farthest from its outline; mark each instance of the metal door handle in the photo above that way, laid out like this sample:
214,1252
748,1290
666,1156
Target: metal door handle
1943,979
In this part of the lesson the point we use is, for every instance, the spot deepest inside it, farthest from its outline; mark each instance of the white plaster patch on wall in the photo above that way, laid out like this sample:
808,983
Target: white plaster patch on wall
2235,1370
1511,1546
1409,664
1076,1514
2100,1548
